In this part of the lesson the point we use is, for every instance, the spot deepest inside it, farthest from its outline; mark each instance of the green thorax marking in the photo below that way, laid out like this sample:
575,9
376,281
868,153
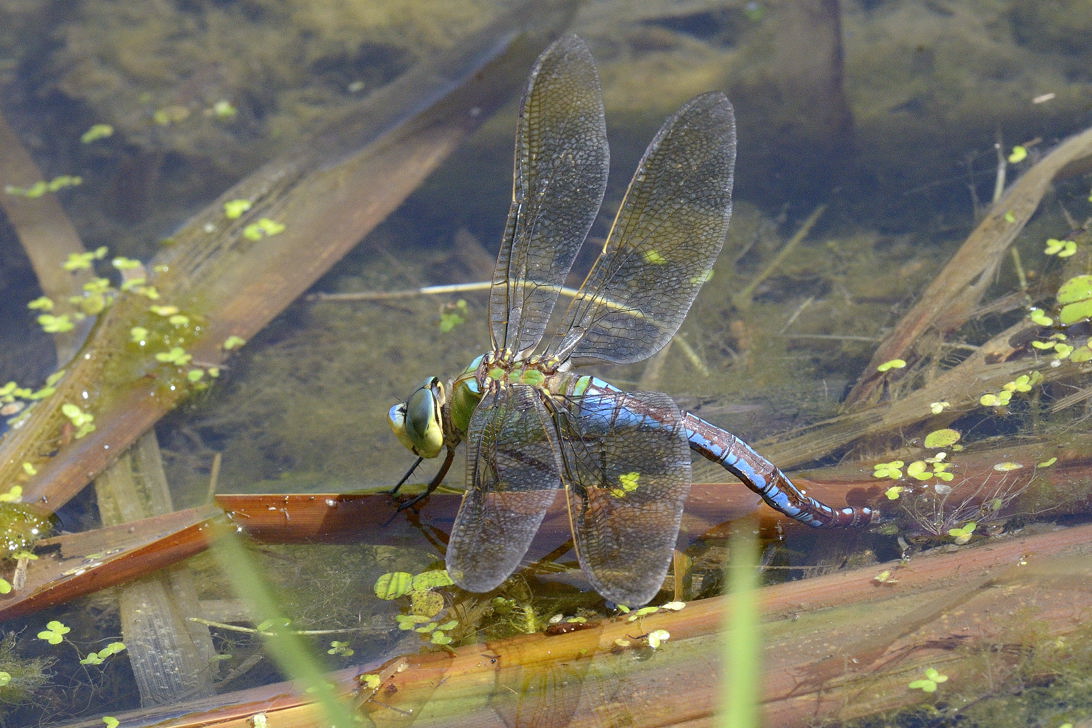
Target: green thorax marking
580,386
465,395
496,370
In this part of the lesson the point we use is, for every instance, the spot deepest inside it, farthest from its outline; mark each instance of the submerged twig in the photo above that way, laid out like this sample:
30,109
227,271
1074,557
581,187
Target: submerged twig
233,273
170,656
411,292
933,613
989,368
742,299
952,295
46,234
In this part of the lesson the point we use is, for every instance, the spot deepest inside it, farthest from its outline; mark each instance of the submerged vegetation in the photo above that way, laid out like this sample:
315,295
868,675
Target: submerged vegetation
970,433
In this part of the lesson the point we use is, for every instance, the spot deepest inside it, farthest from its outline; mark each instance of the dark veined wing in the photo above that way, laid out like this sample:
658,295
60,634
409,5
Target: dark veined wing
627,475
664,240
513,466
561,164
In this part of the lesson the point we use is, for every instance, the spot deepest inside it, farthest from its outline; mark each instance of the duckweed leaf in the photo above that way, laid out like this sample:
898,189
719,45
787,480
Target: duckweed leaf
942,438
393,585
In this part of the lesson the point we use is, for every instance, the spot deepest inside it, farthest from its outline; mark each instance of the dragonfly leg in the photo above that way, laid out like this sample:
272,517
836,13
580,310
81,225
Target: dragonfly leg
433,484
400,483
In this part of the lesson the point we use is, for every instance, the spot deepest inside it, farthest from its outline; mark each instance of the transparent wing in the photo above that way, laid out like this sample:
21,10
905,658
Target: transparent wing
561,164
513,463
664,240
627,477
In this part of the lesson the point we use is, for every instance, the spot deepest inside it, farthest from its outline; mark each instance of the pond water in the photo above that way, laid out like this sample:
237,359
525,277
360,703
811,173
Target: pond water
886,121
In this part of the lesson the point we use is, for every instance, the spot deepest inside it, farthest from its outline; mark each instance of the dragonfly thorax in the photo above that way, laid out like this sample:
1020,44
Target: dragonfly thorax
501,368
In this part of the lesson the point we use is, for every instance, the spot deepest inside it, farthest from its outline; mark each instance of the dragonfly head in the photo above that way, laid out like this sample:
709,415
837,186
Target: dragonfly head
418,422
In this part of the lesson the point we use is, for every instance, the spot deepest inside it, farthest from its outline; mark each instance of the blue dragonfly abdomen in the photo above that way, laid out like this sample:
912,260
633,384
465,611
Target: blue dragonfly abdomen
599,399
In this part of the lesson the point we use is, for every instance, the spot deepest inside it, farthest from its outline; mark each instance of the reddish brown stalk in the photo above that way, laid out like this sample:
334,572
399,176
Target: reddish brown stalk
332,192
137,549
836,647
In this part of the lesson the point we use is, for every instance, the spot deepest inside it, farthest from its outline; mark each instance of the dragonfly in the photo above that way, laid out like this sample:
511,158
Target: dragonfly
532,425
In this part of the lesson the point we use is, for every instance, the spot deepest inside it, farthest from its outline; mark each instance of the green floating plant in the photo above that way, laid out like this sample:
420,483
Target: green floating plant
1060,248
945,437
393,585
437,631
929,683
657,637
177,356
55,324
264,227
431,580
15,492
170,115
891,470
962,534
929,468
1082,354
41,187
223,110
84,422
642,612
1039,318
885,577
232,342
339,648
453,315
84,260
425,604
1022,384
97,658
137,285
1007,467
1075,297
20,526
97,295
54,632
41,303
627,483
123,263
96,132
233,209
